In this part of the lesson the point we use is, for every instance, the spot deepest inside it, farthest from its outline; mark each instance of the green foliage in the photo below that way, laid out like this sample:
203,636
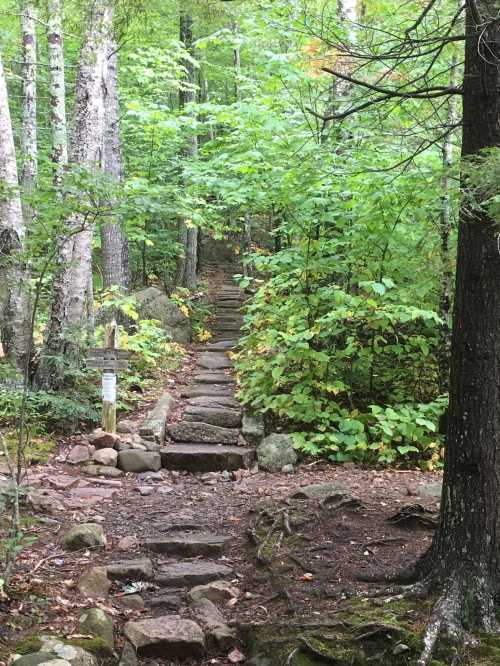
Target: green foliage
352,370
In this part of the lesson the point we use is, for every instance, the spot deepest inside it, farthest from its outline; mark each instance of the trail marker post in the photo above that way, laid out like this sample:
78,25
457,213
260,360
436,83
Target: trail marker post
109,360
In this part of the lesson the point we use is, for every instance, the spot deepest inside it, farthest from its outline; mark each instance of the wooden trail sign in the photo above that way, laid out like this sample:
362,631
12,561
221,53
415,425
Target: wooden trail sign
109,360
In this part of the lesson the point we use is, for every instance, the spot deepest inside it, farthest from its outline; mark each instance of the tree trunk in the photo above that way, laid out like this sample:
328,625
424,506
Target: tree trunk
29,156
66,325
57,89
465,557
114,243
14,301
188,233
445,228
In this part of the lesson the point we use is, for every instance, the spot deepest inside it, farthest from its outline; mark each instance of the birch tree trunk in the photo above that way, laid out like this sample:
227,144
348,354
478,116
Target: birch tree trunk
188,233
29,157
114,243
57,87
14,301
66,325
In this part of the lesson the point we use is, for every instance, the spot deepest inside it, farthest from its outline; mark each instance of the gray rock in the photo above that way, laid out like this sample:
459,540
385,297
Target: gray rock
432,489
168,636
133,602
253,428
34,659
153,426
123,446
134,460
275,451
138,569
56,662
171,601
106,457
86,535
96,623
217,590
287,469
226,418
207,613
206,457
191,572
150,476
214,361
186,431
150,446
102,470
103,440
213,378
76,656
154,304
320,491
210,390
188,544
221,401
145,491
221,638
128,656
125,426
79,454
94,583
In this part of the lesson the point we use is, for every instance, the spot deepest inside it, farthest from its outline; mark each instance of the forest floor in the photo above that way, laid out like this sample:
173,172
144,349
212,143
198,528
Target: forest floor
308,572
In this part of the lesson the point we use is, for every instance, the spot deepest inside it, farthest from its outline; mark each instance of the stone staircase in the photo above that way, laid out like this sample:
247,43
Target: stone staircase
209,436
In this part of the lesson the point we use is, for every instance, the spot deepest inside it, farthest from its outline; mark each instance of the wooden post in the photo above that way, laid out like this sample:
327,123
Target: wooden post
111,341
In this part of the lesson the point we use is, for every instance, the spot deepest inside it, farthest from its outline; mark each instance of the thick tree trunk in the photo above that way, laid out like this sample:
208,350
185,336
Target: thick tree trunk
14,301
66,324
188,233
57,89
29,157
465,557
114,243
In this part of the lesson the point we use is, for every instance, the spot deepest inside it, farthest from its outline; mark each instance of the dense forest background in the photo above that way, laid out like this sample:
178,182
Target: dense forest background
222,120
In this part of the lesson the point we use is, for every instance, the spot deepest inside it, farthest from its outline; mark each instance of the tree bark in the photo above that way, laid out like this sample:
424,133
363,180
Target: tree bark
66,325
114,243
465,556
188,233
29,157
57,86
14,301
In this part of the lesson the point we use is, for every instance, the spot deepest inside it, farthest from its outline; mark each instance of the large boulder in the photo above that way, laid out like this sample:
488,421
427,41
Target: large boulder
276,451
154,304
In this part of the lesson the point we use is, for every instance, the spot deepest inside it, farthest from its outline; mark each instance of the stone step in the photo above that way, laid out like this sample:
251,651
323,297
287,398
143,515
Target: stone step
226,418
223,401
197,431
214,361
226,345
206,457
213,378
191,572
169,636
188,544
228,328
229,303
200,390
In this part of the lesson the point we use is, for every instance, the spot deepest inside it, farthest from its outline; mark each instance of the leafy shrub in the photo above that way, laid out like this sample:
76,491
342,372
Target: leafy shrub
334,362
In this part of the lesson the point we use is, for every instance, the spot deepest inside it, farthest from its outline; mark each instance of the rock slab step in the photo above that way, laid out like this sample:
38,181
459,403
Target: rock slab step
214,361
197,431
188,544
191,572
225,418
207,457
167,636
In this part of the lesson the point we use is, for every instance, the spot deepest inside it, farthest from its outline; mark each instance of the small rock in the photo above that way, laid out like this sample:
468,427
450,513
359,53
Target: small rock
171,601
226,475
320,491
137,569
134,460
108,457
79,454
34,659
144,491
168,636
62,482
128,543
104,440
86,535
125,426
94,583
150,476
400,648
165,490
129,656
287,469
275,451
102,470
217,590
221,638
207,613
76,656
253,429
123,446
95,622
133,602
